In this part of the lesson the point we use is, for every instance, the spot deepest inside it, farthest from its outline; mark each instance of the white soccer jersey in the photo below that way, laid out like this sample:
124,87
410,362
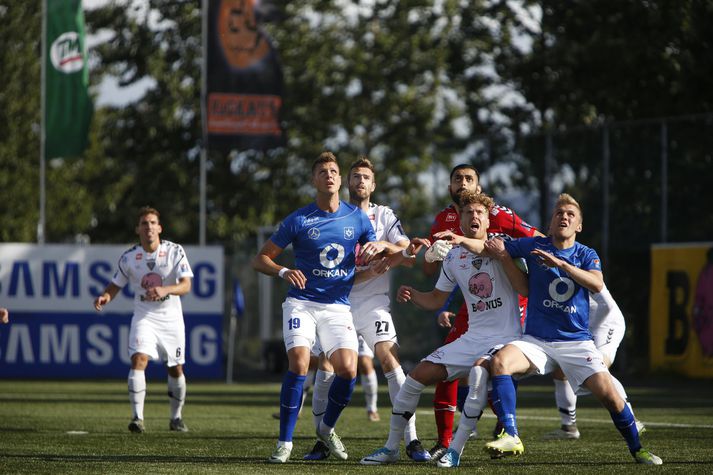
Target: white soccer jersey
492,303
387,227
142,270
603,311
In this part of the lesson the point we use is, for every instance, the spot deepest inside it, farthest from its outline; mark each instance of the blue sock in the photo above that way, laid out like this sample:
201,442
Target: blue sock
462,394
340,393
504,399
290,401
626,424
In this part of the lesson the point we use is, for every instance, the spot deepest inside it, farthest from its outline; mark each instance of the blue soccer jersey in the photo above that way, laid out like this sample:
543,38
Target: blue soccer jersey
324,245
557,306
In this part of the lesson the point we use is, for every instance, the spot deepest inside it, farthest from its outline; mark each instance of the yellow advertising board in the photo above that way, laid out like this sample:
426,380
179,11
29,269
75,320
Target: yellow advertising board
681,308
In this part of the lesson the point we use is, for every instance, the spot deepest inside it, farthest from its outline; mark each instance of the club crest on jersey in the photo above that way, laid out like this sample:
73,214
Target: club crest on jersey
477,262
313,233
349,233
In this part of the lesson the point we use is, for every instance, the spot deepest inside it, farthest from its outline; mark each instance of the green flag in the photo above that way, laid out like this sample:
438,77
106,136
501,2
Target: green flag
68,108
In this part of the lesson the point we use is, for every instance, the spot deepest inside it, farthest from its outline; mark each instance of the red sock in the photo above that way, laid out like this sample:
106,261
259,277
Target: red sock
444,406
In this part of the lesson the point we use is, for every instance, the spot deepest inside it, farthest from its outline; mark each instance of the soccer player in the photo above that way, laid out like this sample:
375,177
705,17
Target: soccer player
370,298
562,273
490,291
158,272
4,315
607,325
504,221
324,236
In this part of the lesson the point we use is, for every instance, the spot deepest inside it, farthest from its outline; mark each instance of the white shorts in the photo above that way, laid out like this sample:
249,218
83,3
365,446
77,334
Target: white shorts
372,319
577,359
159,340
607,339
459,355
305,322
364,349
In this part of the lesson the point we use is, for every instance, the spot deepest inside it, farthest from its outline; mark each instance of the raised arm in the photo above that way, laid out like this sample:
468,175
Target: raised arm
593,280
473,245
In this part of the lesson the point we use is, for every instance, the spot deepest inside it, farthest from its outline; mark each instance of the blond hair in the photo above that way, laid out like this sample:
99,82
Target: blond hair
567,199
471,197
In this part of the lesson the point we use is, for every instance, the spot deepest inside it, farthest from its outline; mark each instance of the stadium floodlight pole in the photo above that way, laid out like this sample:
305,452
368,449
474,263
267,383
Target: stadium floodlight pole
43,78
204,121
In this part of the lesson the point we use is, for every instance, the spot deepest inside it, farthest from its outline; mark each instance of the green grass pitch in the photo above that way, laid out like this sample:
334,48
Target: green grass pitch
81,427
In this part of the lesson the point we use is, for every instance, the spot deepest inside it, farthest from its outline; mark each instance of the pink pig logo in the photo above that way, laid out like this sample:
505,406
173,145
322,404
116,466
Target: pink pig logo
151,280
480,285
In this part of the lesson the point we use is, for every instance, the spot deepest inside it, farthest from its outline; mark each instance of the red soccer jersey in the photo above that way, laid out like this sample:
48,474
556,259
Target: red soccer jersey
503,220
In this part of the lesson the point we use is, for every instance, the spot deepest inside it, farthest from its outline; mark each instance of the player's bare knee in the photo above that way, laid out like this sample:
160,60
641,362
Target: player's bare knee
498,365
139,361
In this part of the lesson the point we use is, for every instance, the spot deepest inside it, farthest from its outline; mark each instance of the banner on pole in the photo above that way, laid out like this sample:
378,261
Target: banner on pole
244,80
68,108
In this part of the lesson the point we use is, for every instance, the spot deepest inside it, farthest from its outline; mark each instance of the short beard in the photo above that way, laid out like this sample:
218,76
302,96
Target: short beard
455,196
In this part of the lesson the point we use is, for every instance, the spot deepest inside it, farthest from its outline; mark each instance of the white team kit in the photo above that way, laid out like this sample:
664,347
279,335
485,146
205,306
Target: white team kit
493,310
606,322
157,328
370,303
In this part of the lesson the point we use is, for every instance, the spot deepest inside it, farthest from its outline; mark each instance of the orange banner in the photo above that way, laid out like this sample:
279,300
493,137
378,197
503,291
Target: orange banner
243,114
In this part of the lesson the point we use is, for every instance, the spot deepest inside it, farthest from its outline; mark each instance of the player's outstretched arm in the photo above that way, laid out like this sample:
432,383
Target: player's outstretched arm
107,296
471,244
409,250
593,280
432,300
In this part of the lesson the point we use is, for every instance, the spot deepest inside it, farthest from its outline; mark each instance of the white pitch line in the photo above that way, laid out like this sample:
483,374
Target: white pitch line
597,421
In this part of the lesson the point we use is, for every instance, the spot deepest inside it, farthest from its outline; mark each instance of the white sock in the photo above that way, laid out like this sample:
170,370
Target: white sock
370,385
566,402
320,395
405,403
395,380
473,407
282,443
177,395
137,392
620,389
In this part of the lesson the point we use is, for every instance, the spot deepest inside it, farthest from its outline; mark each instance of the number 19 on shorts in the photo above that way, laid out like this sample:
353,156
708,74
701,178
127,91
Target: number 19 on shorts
293,323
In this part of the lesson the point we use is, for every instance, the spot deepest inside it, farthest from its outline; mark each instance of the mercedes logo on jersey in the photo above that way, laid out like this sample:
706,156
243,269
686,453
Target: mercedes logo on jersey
559,297
331,256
